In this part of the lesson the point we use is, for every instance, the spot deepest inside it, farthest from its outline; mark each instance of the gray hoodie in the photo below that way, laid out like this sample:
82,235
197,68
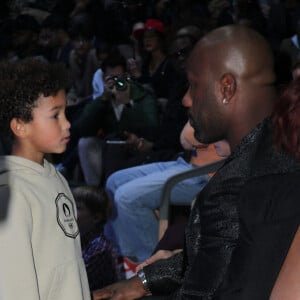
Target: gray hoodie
40,244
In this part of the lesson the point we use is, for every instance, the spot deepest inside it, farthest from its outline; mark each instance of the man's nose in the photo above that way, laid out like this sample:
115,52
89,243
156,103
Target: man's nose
187,99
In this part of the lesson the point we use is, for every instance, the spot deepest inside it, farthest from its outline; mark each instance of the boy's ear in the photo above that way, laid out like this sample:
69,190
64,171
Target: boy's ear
18,127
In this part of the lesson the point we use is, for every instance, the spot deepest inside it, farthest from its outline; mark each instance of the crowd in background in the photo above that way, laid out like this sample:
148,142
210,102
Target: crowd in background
91,37
52,29
82,34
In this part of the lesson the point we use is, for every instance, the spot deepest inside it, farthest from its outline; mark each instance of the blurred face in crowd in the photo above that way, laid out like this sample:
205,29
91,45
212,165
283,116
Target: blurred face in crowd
82,45
180,51
24,38
48,38
151,41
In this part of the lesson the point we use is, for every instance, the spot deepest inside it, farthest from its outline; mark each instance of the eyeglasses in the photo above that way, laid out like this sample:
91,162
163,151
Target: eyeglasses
119,81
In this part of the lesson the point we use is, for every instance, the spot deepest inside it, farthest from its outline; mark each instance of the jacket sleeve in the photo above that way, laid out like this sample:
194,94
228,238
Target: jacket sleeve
91,118
144,117
165,275
208,249
151,111
17,270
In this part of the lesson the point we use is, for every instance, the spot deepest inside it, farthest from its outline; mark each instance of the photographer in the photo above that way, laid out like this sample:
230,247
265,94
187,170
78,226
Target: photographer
124,106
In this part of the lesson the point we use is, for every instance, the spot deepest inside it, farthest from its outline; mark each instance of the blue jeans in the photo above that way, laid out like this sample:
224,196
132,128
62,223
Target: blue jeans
136,193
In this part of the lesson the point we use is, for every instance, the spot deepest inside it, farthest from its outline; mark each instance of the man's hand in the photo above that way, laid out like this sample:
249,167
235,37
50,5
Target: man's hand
136,144
122,290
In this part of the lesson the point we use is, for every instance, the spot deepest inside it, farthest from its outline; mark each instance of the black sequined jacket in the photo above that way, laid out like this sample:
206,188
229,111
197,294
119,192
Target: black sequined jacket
213,229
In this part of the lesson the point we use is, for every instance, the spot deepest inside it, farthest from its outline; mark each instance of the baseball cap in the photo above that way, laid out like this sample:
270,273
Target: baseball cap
137,30
154,24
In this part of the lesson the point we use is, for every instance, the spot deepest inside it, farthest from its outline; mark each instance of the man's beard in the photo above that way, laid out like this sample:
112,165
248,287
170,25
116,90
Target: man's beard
196,127
205,134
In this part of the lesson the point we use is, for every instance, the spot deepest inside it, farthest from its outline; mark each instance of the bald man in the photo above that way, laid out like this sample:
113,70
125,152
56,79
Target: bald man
231,94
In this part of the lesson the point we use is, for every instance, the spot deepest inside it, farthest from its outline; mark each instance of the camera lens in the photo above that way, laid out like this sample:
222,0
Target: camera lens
121,85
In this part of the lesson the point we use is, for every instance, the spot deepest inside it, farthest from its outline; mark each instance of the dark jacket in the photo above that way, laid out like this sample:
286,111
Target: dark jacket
215,228
269,212
140,118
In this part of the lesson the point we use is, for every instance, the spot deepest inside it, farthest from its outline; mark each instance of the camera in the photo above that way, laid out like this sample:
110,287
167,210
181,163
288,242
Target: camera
119,81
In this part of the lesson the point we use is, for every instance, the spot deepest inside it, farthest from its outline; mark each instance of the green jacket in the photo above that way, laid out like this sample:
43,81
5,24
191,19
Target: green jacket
141,118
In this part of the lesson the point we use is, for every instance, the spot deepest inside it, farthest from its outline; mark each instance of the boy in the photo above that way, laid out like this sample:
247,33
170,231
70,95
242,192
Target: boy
39,236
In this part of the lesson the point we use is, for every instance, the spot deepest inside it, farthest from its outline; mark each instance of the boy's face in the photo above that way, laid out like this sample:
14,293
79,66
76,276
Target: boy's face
49,131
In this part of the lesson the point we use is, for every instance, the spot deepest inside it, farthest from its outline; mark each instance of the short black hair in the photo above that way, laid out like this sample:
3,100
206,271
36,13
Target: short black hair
22,83
95,199
81,26
114,59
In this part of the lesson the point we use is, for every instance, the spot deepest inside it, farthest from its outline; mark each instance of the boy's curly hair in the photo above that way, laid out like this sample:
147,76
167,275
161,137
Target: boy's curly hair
22,83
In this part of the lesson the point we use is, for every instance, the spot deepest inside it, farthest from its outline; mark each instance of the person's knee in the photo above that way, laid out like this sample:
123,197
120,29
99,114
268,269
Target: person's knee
87,142
111,184
125,198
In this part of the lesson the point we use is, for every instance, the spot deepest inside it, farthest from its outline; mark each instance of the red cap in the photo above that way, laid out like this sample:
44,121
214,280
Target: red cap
153,24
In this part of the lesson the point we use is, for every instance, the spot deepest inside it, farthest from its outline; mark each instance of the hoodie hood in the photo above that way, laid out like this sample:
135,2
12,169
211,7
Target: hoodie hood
11,163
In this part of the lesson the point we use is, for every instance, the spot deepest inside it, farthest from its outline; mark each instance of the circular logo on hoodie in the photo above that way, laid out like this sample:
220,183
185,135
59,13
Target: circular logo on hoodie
65,212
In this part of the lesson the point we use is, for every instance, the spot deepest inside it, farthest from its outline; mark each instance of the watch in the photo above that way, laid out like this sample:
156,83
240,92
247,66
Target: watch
142,277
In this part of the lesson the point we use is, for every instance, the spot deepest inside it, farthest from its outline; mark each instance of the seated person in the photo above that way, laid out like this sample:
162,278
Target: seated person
233,103
83,61
172,241
102,51
163,146
125,105
54,39
136,193
166,145
93,209
156,69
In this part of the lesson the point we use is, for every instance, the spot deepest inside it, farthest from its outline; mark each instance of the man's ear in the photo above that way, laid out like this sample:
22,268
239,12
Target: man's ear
18,127
227,87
